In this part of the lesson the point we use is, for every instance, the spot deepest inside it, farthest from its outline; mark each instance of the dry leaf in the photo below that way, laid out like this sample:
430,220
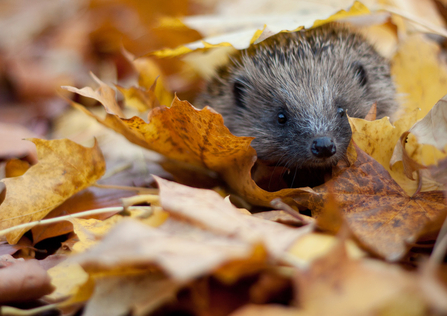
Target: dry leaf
258,29
104,94
23,281
66,277
208,209
345,286
432,129
378,212
419,74
132,244
138,293
64,168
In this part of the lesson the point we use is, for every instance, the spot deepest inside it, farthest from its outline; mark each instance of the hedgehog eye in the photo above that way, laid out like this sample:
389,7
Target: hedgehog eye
341,112
282,119
360,73
238,92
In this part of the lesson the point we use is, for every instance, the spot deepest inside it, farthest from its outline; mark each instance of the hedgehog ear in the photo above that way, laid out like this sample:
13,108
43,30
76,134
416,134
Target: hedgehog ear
360,73
239,90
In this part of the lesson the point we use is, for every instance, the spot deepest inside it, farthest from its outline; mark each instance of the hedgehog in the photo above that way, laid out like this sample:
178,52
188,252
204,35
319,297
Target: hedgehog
293,91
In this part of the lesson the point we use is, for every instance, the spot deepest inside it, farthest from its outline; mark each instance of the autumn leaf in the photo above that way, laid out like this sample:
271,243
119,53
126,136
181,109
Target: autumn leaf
23,281
197,138
250,34
432,129
212,212
182,258
382,217
64,168
419,74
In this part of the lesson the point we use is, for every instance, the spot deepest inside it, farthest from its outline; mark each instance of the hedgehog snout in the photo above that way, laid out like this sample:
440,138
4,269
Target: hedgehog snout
323,147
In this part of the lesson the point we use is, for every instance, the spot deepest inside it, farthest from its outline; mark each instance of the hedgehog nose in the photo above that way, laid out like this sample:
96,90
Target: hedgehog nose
323,147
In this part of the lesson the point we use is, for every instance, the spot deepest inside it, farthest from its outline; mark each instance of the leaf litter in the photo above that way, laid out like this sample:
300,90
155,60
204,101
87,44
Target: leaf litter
192,250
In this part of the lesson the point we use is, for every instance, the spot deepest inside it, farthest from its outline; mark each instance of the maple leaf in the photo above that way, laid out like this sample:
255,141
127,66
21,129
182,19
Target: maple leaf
197,138
64,168
382,217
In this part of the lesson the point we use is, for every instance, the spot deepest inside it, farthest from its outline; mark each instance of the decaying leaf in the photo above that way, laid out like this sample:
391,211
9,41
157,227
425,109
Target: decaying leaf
64,168
377,210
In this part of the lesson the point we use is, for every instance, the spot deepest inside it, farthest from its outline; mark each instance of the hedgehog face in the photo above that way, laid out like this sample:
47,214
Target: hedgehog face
292,92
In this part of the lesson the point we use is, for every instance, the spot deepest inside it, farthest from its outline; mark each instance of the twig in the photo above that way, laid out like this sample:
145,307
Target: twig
66,217
280,205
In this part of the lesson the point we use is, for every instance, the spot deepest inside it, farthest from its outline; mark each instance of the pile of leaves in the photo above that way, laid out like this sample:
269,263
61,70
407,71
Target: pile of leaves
181,221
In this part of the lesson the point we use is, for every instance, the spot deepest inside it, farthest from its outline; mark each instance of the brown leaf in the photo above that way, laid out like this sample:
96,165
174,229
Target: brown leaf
64,168
133,244
357,287
378,212
208,209
23,281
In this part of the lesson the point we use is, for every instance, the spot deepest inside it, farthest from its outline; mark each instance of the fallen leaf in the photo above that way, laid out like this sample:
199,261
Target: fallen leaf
88,199
432,129
16,168
139,293
400,154
182,259
196,139
23,281
377,210
211,211
419,73
66,277
255,29
64,168
104,94
337,283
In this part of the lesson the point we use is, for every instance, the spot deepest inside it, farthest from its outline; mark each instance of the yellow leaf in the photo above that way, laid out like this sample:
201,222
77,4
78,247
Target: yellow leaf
148,72
420,75
64,168
249,36
67,277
